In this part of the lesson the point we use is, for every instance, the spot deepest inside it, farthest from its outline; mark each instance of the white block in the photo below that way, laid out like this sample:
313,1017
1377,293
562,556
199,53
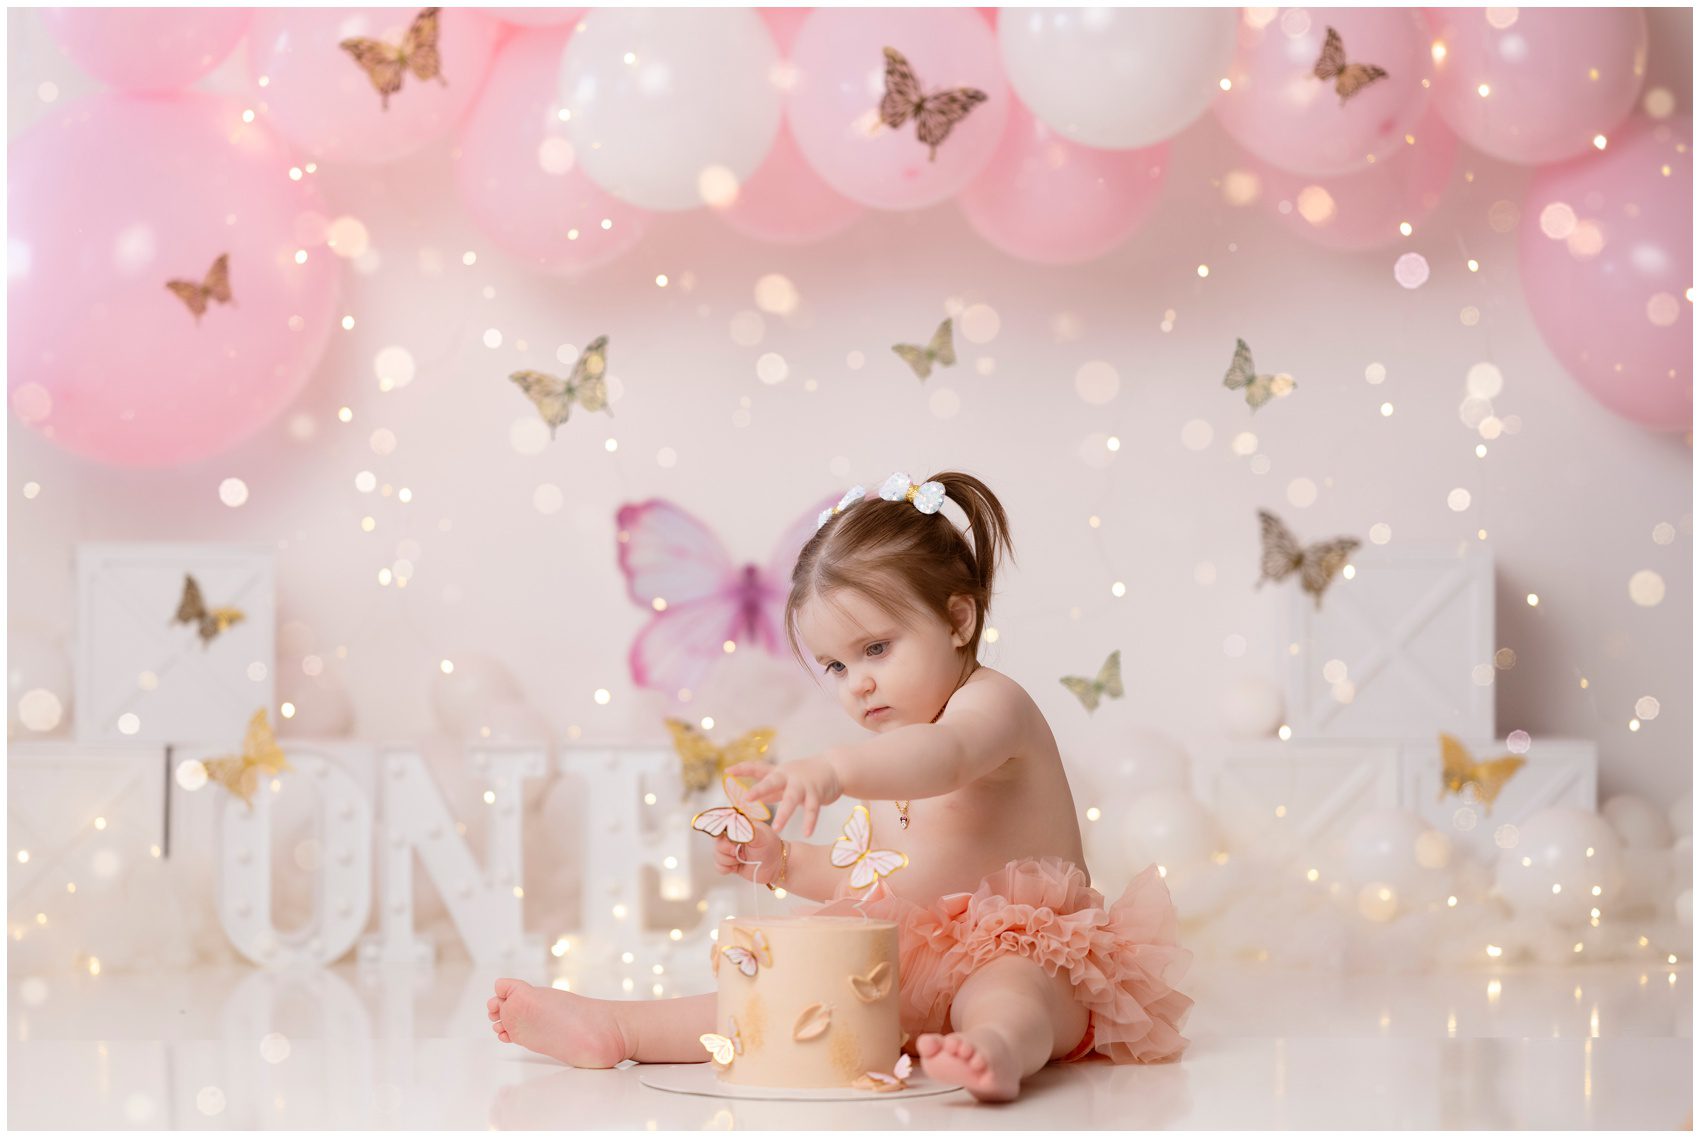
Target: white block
143,678
1411,632
55,792
1278,801
1559,772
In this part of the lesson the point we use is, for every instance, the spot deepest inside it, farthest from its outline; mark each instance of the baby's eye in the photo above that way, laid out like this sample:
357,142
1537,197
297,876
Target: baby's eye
880,644
829,667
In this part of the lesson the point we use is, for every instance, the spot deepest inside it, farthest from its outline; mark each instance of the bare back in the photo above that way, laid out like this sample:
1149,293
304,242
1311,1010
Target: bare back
1022,809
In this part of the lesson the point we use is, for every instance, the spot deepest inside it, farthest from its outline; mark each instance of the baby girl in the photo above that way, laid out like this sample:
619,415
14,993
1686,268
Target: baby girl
1009,959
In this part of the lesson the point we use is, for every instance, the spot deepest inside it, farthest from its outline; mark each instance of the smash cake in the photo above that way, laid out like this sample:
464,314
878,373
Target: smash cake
807,1002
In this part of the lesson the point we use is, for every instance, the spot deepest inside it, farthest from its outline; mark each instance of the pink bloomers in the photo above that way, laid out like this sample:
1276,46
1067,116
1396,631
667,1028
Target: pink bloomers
1121,958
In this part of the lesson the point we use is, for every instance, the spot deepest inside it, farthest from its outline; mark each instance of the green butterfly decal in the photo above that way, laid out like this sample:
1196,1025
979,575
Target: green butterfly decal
940,350
1259,389
1107,683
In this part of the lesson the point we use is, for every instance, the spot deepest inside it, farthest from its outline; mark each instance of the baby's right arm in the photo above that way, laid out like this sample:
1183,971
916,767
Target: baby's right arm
807,869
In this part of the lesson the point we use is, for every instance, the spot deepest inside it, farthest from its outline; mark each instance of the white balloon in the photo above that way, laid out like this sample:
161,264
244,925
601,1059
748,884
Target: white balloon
1395,848
1682,815
38,684
1151,760
1556,841
476,682
1252,708
671,108
1646,878
1639,823
1117,78
1169,827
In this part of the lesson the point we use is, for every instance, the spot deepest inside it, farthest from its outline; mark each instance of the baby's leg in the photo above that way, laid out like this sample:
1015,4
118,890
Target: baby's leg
582,1032
1010,1020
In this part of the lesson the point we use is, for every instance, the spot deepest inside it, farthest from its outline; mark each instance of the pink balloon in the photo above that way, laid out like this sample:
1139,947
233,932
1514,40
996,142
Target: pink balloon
147,49
519,176
1279,110
1362,211
839,65
1605,253
1554,77
318,97
786,202
783,24
102,358
537,17
1044,197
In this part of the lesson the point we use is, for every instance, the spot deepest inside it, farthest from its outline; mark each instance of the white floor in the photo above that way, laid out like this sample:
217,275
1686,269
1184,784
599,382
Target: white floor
1603,1047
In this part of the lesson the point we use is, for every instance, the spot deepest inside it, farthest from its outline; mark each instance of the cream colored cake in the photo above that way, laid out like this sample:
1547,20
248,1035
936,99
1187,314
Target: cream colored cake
805,1001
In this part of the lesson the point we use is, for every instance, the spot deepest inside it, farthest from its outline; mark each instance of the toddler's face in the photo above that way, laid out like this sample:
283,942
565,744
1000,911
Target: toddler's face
870,661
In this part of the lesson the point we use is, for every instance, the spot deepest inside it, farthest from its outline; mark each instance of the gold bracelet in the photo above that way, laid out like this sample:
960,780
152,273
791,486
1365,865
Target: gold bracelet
784,864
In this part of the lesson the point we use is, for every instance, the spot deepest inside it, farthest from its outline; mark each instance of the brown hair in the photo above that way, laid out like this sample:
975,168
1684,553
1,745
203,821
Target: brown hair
907,562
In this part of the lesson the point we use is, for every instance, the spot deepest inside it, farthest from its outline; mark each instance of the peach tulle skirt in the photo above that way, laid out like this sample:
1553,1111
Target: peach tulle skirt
1122,959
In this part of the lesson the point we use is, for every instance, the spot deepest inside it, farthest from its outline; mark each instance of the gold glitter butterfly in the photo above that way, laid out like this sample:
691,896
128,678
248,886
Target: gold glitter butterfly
1316,564
1259,389
1107,682
261,757
587,384
216,286
386,65
1458,769
702,763
1349,78
934,114
941,349
191,609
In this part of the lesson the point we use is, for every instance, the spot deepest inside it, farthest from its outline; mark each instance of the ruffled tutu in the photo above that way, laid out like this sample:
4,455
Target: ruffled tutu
1122,959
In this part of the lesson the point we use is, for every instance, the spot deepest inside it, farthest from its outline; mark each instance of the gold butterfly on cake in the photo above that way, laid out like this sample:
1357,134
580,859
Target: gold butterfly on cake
940,350
752,954
1316,564
1459,769
723,1048
587,384
261,757
1259,389
853,850
386,65
1349,78
196,294
1108,682
192,609
701,761
880,1081
934,114
736,821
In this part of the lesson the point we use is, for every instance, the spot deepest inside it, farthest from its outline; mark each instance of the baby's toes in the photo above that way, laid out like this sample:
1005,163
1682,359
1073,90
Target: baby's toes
494,1007
928,1045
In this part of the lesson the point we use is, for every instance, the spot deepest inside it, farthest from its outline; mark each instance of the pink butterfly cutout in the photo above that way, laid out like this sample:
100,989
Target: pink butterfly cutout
668,553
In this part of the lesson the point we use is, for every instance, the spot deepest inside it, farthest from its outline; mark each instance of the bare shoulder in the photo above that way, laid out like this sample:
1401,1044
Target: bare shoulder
993,697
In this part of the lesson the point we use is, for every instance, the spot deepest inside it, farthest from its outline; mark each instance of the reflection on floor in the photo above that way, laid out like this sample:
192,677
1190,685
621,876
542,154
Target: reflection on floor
1600,1047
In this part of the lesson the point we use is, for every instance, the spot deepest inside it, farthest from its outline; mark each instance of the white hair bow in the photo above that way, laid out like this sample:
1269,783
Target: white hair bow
928,496
851,497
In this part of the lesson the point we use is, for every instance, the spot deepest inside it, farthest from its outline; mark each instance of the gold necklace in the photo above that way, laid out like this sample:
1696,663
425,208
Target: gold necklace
902,813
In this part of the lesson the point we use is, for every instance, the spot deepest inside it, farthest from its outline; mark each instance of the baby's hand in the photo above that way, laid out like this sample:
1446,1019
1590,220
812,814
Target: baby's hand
757,860
801,784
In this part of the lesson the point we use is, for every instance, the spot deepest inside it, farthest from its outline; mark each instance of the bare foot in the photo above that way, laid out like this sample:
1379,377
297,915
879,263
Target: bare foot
979,1062
577,1030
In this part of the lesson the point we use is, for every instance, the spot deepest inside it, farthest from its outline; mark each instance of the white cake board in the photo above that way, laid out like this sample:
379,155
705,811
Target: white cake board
700,1079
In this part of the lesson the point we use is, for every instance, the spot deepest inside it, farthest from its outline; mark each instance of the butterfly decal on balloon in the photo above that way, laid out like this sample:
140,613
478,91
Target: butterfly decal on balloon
880,1081
701,761
1316,564
1349,78
737,820
1460,769
1259,389
386,65
1108,682
587,385
677,569
934,114
261,757
853,850
941,350
208,622
215,286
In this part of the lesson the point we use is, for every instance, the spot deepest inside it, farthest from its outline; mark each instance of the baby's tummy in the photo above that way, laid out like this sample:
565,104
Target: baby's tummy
942,866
